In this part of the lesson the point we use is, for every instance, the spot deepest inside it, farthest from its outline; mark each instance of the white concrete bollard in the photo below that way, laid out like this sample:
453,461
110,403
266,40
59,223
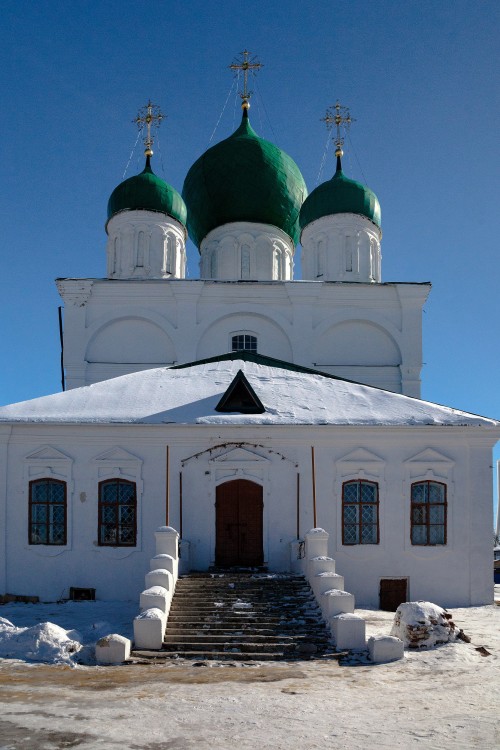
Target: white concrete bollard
316,543
155,597
149,629
113,649
384,648
167,541
325,582
336,602
160,577
348,632
164,561
321,564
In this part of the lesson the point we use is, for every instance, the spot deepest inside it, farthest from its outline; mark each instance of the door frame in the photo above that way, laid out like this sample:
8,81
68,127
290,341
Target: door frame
252,480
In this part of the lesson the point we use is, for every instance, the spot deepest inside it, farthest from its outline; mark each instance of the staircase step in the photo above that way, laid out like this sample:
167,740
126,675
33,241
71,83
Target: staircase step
243,617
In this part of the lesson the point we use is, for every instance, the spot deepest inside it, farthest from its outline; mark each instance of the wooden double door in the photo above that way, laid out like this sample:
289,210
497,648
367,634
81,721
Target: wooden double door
238,526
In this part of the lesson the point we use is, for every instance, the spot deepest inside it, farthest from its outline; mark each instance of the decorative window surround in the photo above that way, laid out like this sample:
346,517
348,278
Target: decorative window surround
429,466
360,465
48,462
117,463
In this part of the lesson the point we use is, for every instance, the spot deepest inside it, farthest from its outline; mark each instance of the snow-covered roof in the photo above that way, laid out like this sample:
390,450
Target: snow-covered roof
189,395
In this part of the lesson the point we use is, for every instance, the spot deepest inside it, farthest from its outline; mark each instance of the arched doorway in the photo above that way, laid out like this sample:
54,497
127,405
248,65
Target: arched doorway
238,524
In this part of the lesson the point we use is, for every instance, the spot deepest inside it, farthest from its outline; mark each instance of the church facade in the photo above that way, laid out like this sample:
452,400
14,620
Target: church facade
245,407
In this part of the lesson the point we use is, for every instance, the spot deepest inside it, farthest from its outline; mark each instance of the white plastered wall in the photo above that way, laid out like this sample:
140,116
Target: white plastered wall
370,333
457,574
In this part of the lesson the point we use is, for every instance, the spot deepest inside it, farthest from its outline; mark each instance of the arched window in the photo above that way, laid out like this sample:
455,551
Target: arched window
169,254
428,513
360,524
243,342
141,249
47,512
117,513
245,262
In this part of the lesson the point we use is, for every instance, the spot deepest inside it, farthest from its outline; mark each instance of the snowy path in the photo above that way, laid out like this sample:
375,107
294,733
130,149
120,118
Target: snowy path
445,697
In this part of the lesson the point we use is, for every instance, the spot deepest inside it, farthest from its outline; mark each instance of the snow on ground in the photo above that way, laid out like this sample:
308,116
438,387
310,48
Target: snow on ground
442,697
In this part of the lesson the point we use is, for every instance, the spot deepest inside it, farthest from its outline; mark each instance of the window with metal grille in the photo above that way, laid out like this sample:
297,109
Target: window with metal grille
47,512
360,512
244,342
117,513
428,513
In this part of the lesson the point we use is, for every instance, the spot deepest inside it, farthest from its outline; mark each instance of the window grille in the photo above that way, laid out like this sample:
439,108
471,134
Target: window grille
47,512
360,516
428,513
117,513
244,342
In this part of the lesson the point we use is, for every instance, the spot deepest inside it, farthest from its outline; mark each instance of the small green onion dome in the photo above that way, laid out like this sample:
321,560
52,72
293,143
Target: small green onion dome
243,178
147,192
340,195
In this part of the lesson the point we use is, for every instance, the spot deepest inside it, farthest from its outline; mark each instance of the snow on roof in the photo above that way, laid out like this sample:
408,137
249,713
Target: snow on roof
190,394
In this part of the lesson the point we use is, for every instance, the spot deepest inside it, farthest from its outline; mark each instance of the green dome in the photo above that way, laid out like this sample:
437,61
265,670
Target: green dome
243,178
340,195
147,192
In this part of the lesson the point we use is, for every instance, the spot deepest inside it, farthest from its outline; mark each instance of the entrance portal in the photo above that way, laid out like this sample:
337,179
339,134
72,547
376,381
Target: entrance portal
238,524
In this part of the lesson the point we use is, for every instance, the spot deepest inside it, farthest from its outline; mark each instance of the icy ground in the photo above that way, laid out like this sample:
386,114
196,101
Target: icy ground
448,696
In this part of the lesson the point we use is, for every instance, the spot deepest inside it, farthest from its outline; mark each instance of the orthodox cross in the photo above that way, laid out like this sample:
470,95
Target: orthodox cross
338,116
245,64
149,116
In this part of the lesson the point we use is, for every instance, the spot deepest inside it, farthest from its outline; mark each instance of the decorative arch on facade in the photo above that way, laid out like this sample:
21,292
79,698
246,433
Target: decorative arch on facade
356,343
131,340
272,339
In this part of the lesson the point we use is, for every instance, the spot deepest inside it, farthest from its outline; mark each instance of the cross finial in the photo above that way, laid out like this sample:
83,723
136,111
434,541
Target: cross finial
246,65
338,116
149,116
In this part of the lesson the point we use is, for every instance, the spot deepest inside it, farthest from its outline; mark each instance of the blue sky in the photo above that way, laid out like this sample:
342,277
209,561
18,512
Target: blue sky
421,79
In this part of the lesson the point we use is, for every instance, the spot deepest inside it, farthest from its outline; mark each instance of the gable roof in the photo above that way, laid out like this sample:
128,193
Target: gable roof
189,394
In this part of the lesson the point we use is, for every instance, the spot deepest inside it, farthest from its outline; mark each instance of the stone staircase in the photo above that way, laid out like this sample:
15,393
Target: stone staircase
243,616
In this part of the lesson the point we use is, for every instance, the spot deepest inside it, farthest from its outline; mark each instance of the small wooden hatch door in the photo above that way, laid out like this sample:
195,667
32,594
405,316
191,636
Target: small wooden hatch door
393,592
238,524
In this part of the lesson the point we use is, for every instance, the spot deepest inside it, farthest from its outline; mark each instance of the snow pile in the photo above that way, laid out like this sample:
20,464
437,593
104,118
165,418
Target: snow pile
423,625
44,642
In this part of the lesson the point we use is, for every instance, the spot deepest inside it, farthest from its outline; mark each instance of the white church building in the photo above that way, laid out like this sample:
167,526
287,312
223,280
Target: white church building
245,407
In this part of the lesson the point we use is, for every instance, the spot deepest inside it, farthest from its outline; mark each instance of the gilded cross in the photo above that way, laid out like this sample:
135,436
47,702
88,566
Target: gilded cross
245,64
149,116
338,116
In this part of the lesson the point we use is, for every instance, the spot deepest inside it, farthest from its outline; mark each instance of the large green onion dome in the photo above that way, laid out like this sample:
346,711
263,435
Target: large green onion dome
243,178
340,195
147,192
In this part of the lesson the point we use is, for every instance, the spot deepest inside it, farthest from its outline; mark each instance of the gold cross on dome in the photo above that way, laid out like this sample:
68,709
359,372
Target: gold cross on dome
245,64
338,116
149,116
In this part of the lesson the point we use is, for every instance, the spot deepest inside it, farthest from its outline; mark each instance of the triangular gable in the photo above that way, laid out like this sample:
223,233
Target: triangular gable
238,455
116,455
240,397
429,456
360,456
47,453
